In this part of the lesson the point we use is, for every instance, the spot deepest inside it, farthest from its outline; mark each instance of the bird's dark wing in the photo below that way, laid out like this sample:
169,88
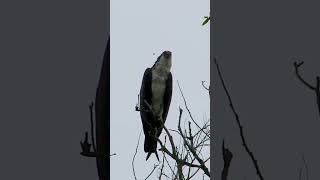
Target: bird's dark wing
145,113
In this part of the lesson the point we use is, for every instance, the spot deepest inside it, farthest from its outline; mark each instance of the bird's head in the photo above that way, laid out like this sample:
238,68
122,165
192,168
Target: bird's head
164,61
167,54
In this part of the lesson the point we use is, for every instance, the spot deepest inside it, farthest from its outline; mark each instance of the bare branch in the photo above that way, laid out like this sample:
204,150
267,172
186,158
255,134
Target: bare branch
296,67
174,155
255,162
154,168
202,82
315,89
172,170
134,156
192,150
198,169
186,106
161,170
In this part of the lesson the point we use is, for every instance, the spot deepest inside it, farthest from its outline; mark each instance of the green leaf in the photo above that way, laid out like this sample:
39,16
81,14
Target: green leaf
207,19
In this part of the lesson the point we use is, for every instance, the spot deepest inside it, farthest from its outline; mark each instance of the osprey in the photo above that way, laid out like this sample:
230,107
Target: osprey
155,98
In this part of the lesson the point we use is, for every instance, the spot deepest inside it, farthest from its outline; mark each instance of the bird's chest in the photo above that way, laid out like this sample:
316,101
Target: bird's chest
158,87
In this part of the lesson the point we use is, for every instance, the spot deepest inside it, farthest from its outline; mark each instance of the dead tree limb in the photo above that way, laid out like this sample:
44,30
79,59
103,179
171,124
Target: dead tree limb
192,149
254,161
175,154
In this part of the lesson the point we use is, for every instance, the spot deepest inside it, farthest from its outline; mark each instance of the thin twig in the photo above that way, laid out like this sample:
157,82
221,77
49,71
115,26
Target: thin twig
315,89
154,168
186,106
296,67
172,171
192,150
134,156
255,162
198,169
162,166
174,154
202,82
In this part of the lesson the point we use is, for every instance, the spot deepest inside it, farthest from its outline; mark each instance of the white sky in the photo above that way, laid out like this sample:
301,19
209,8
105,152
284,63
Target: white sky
140,31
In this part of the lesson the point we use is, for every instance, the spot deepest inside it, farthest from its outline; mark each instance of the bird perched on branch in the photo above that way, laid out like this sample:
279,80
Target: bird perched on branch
155,98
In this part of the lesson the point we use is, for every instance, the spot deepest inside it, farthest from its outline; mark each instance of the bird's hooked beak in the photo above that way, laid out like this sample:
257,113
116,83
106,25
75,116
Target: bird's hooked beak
167,54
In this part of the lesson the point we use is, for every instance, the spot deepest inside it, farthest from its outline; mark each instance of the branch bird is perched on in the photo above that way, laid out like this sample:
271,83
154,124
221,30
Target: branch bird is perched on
155,98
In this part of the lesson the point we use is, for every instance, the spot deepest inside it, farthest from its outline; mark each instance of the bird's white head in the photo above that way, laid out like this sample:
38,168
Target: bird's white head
163,62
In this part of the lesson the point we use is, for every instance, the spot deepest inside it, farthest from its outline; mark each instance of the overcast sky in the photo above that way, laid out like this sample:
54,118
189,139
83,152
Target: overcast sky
140,31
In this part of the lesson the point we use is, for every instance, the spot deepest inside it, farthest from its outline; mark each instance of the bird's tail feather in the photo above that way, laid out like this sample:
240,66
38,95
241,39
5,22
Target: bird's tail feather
149,154
150,146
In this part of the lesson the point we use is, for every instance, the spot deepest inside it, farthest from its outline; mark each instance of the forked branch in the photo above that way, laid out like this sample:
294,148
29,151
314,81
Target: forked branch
314,88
